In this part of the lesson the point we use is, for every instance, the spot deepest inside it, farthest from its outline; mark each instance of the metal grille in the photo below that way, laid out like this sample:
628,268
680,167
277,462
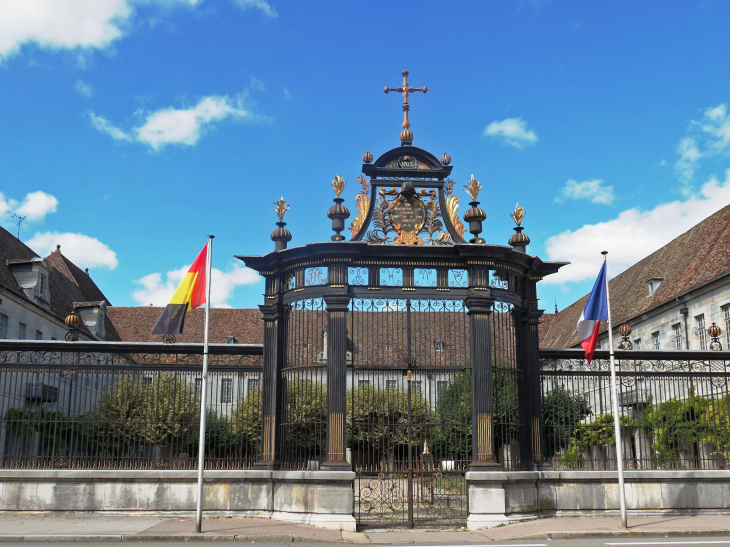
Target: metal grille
127,409
304,421
408,410
674,409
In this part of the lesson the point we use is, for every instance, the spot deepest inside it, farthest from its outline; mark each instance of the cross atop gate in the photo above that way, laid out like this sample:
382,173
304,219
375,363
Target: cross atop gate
406,135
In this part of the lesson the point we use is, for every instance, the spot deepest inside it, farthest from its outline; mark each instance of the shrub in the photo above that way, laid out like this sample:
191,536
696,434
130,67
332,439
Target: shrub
562,410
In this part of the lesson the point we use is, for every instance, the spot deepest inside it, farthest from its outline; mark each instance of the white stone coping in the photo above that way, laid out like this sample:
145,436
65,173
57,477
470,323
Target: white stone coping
174,475
600,476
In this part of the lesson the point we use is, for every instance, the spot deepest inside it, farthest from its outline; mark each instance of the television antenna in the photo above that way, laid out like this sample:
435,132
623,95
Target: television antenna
20,219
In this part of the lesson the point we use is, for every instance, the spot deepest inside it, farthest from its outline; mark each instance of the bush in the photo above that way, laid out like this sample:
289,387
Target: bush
601,432
379,417
675,424
55,428
246,419
715,425
562,410
132,413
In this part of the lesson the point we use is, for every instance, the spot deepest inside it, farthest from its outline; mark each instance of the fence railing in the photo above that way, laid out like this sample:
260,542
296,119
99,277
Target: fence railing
107,405
674,409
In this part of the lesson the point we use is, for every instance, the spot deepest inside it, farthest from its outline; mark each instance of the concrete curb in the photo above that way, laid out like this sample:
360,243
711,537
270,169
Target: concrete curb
137,538
596,534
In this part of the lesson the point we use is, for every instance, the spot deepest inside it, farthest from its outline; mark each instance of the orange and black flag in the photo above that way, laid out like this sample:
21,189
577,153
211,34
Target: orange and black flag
189,294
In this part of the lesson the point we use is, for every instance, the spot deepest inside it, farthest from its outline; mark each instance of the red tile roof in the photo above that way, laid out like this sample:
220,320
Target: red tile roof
693,259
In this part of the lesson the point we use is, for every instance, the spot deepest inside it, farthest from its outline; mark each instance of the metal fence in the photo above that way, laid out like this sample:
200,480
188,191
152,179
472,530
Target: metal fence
674,409
100,405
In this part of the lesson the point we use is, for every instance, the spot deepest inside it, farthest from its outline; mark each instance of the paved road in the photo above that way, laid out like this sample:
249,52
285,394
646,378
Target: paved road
690,542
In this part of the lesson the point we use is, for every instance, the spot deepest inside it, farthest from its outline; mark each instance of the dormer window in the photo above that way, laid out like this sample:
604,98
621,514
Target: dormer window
654,283
438,345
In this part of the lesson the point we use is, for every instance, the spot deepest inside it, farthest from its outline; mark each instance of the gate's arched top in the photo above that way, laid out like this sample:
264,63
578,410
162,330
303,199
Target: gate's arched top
405,163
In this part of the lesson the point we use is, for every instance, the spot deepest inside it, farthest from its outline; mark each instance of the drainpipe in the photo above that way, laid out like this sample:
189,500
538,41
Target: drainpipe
685,312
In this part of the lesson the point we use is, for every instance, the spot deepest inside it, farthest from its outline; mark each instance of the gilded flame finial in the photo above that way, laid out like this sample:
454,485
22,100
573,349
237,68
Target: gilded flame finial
518,215
338,184
473,188
281,208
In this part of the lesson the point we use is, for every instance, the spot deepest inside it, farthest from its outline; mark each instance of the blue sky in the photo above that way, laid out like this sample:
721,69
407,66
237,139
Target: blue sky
134,128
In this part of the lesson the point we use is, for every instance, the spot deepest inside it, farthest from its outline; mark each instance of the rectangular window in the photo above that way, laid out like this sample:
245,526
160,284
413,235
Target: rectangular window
38,335
362,382
441,386
637,343
701,331
3,326
22,328
677,335
416,385
226,391
44,281
389,347
147,380
438,345
391,384
198,386
254,383
726,313
655,339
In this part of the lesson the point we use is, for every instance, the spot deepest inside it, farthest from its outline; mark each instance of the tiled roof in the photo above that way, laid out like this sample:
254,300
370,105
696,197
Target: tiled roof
545,321
693,259
135,323
78,277
11,248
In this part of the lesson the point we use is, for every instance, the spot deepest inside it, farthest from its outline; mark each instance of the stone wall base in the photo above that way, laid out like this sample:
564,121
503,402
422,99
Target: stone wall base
319,498
500,497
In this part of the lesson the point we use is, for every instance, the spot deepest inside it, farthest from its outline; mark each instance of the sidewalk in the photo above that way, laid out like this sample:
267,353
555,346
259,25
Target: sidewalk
94,528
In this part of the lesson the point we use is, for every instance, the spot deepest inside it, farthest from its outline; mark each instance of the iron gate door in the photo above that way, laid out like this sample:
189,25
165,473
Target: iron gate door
409,411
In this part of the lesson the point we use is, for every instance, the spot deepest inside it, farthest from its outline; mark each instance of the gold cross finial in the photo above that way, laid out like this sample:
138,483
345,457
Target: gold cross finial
406,135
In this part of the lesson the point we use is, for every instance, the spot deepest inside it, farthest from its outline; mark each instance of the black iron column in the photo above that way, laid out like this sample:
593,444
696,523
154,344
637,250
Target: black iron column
274,316
482,403
337,306
521,321
533,388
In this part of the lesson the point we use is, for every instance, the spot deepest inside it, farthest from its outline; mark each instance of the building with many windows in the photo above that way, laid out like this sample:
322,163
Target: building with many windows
669,298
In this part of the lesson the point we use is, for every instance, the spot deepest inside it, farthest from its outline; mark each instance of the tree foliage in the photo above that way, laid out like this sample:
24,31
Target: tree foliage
562,410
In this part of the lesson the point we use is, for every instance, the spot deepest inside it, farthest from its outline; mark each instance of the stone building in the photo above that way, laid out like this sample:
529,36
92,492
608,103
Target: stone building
669,298
36,295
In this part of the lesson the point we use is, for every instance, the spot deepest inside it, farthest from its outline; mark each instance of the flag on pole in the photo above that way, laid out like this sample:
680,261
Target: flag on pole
596,310
189,294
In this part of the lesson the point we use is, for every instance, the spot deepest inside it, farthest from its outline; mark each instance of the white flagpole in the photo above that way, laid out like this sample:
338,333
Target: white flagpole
204,391
614,399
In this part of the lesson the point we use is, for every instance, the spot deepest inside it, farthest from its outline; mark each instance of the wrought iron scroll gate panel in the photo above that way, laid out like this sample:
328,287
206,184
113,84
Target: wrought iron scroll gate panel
408,415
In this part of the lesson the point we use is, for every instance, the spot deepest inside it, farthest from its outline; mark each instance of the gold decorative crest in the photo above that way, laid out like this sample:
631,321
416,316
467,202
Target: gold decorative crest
338,184
363,203
473,188
518,215
281,208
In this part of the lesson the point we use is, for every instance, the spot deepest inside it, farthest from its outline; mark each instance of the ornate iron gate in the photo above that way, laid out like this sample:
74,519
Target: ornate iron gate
408,411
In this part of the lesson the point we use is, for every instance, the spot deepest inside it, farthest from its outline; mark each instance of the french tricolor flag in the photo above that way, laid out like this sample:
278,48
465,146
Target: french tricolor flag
596,310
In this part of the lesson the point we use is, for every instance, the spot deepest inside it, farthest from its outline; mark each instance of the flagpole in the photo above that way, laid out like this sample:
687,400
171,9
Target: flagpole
614,400
204,391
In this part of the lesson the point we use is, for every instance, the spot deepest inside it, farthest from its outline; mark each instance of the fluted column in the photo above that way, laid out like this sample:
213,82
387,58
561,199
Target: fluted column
272,395
337,306
531,364
482,410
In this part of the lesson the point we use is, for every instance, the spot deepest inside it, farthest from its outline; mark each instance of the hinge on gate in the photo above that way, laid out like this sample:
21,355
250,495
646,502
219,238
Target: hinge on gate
408,376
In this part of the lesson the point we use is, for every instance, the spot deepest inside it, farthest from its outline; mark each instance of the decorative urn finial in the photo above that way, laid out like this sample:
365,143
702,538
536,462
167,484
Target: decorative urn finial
367,157
281,235
625,331
445,159
474,216
715,331
519,240
338,212
73,322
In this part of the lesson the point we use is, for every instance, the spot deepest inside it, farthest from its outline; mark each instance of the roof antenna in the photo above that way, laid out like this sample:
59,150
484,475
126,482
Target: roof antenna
20,219
556,305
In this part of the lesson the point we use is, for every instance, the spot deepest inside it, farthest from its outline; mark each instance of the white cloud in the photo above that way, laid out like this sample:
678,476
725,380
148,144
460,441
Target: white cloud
158,292
590,190
83,88
83,250
183,126
82,25
707,137
257,84
103,125
633,235
513,131
37,205
264,6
